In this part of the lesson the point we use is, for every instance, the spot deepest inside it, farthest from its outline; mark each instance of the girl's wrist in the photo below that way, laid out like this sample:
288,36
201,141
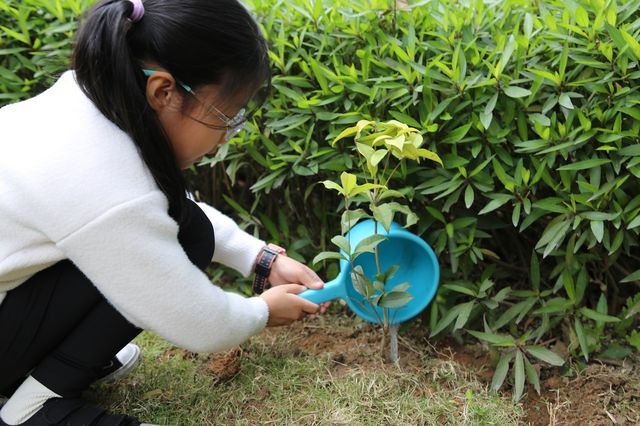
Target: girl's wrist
263,264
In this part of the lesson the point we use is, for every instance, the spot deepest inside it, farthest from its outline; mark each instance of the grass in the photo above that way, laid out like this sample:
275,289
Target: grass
294,376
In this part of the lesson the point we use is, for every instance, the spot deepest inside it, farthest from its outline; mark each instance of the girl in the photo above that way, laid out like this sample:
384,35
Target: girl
97,238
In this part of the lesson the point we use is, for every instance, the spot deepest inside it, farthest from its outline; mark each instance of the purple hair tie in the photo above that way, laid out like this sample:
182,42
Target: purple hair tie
138,11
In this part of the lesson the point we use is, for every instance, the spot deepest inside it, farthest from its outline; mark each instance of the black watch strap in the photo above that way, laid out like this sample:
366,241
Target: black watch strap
263,268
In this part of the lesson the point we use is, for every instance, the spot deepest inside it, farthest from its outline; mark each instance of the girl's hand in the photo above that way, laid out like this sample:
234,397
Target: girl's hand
286,270
284,306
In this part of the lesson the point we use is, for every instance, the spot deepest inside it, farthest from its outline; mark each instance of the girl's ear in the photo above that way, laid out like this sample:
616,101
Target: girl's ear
162,91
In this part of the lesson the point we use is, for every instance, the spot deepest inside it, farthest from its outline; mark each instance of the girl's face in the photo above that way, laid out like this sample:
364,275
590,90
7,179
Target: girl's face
197,126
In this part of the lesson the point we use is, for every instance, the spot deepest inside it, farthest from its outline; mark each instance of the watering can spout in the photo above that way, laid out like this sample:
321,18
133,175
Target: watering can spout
332,290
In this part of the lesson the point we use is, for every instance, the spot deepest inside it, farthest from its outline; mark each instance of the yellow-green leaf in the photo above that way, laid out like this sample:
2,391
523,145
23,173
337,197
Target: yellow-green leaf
396,142
364,187
582,17
396,124
378,140
348,182
365,150
409,151
344,134
378,156
351,131
632,42
415,139
429,155
332,185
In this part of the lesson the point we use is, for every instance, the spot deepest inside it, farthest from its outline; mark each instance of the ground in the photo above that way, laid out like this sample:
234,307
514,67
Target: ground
330,371
600,394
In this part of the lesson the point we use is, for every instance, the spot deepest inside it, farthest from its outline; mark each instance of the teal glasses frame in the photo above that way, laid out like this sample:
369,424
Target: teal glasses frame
233,125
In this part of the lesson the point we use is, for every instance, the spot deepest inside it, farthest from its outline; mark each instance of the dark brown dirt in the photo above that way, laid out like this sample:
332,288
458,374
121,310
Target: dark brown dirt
601,394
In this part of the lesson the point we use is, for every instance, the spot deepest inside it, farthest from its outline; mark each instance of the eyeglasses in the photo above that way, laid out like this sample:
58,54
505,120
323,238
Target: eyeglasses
232,125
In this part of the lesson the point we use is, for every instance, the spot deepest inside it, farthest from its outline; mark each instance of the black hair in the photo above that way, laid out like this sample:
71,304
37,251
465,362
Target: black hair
198,41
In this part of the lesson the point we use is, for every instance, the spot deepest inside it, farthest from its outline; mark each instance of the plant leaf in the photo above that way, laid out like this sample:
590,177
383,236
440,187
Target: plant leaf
634,223
378,156
361,282
364,187
511,313
460,289
565,101
597,316
395,299
485,119
384,214
446,320
597,227
468,196
332,185
497,202
349,182
532,375
342,243
632,43
368,244
463,317
518,370
327,255
585,164
582,339
535,271
350,218
545,355
634,276
516,92
494,339
401,287
501,370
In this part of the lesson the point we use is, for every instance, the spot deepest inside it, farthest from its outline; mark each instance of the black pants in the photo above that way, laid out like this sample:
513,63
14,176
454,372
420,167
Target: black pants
58,327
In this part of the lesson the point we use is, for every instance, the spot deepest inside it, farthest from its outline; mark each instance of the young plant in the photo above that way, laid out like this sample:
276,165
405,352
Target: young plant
382,149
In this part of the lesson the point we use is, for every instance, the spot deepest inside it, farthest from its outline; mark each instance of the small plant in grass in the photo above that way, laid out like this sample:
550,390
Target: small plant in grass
518,351
513,353
383,148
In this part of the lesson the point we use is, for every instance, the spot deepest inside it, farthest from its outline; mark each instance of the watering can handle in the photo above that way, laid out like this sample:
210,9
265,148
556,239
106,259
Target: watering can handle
332,290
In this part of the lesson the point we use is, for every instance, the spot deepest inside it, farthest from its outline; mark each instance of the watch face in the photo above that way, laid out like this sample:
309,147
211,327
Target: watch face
272,250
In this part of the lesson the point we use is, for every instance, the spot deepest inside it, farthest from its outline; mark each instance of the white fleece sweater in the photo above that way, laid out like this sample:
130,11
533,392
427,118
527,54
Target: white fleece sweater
73,186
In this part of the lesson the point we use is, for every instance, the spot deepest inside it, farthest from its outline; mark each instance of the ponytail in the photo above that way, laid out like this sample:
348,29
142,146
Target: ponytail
111,77
197,41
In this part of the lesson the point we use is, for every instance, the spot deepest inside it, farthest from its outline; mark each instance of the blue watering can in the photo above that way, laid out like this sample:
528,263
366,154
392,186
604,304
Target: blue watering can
418,266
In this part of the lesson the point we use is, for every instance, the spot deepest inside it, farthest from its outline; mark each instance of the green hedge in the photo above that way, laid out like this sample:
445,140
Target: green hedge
533,106
35,44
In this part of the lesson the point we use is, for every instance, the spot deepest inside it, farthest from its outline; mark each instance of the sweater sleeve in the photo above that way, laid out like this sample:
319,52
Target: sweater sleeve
234,247
132,255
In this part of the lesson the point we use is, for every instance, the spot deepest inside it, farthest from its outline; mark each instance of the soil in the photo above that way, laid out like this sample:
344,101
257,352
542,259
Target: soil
225,365
600,394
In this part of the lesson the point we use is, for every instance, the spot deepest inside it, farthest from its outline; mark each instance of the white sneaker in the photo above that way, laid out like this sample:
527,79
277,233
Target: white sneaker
124,363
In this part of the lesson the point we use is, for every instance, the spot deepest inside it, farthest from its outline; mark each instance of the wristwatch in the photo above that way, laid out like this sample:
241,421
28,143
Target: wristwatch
264,262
